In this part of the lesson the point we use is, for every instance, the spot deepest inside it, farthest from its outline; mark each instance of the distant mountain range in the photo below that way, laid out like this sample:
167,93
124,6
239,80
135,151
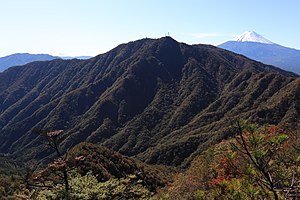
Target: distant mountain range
259,48
154,99
24,58
77,57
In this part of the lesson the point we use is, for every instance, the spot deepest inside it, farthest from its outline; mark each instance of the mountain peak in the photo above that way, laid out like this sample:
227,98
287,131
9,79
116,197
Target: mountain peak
251,36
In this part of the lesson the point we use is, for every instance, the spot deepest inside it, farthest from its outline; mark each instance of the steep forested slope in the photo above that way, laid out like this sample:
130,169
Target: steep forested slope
158,100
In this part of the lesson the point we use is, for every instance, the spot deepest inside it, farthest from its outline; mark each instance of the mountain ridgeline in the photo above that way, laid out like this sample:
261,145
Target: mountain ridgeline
25,58
22,59
154,99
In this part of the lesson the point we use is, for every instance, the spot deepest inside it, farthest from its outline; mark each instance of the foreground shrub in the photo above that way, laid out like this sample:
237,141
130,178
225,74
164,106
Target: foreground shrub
87,187
261,162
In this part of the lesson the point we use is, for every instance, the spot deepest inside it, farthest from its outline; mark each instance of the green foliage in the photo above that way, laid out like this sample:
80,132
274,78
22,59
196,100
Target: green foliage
11,180
87,187
264,150
260,163
101,161
233,169
98,173
200,195
108,164
10,186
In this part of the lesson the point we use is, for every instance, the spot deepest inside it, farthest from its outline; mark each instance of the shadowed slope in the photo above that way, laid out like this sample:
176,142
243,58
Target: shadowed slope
159,100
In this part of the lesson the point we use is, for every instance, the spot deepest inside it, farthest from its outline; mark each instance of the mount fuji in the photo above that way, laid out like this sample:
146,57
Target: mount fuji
256,47
251,36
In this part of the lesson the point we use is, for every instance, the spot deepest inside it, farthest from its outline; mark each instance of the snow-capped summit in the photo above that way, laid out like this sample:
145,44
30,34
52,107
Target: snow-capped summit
251,36
256,47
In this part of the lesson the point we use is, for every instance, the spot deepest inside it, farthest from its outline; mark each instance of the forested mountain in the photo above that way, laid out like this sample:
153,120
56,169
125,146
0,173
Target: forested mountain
155,99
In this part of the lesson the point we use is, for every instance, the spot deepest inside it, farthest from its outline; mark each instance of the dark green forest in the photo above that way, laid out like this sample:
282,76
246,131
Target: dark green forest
153,118
260,162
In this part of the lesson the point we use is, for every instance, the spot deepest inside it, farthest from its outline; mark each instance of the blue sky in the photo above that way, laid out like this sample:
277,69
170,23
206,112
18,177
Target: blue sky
91,27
